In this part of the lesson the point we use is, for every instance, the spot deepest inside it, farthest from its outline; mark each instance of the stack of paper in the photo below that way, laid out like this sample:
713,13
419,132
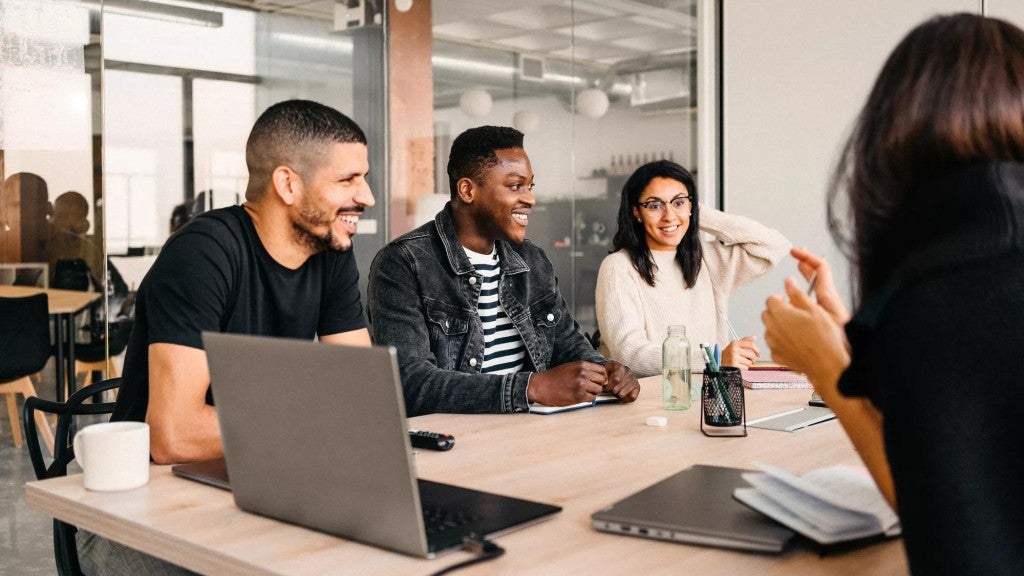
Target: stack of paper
827,505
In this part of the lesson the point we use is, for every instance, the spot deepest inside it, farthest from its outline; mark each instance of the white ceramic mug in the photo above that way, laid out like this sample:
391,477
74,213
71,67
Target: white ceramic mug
114,455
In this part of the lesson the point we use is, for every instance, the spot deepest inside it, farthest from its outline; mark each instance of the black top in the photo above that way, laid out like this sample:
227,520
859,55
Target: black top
214,274
940,351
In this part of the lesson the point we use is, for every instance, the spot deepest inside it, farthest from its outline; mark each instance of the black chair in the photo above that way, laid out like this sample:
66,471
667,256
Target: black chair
24,350
96,353
64,549
72,274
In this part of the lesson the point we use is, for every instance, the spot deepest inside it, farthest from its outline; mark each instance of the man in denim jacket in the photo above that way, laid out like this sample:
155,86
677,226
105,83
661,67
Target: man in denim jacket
473,308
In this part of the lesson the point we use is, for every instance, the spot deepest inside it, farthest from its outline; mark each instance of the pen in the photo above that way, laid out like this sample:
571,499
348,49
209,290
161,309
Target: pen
732,331
814,280
709,359
718,356
718,385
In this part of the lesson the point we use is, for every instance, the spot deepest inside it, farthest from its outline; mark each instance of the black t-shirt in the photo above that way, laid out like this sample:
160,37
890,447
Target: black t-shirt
215,275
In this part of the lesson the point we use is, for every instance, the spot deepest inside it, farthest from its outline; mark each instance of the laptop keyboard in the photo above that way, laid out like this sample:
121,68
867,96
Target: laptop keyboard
439,520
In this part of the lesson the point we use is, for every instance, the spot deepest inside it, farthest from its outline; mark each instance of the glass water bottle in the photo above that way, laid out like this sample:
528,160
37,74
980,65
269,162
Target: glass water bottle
675,369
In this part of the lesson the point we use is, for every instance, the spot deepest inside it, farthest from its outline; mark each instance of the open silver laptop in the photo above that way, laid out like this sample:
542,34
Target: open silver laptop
315,434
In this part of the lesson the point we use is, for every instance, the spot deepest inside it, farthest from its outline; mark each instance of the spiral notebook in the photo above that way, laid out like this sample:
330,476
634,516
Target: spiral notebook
767,379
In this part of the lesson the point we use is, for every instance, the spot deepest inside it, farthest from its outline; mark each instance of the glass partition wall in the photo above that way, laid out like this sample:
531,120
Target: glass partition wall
51,214
598,87
104,174
183,92
49,74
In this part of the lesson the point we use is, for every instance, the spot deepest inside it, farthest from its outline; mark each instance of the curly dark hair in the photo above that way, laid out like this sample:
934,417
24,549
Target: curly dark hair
473,152
631,235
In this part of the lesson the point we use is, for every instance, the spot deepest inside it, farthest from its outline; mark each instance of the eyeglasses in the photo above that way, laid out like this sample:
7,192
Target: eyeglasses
656,207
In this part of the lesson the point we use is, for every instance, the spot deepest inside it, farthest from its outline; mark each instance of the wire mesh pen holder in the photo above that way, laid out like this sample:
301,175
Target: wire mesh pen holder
722,408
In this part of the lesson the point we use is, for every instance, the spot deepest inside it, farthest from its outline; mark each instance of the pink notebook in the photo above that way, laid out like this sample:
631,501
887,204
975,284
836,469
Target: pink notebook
766,379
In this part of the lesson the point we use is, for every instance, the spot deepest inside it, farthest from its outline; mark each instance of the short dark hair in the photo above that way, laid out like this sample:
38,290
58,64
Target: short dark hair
632,237
294,133
950,95
473,152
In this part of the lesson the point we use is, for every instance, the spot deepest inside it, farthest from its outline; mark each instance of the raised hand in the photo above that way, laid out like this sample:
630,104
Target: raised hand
812,266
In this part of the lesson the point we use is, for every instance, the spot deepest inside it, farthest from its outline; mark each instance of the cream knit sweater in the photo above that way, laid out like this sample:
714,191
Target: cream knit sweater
634,317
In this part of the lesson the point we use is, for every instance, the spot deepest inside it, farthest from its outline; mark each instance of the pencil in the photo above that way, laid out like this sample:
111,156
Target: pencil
814,280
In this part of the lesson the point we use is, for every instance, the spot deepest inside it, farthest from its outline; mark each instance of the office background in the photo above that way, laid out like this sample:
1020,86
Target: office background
144,107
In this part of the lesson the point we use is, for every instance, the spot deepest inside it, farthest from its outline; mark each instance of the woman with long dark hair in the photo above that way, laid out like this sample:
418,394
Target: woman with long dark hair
662,273
926,377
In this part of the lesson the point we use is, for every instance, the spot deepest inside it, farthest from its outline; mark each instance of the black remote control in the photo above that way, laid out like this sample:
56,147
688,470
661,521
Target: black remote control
431,440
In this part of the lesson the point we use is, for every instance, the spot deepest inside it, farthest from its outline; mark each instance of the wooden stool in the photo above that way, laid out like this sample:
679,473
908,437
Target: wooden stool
108,367
24,387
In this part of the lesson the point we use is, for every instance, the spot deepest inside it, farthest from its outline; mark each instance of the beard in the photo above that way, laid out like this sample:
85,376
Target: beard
305,228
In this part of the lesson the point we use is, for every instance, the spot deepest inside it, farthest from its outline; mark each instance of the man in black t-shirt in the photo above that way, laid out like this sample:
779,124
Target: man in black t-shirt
278,265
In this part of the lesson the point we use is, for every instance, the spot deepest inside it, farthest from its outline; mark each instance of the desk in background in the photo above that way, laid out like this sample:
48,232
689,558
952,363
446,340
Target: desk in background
9,272
133,268
582,460
63,306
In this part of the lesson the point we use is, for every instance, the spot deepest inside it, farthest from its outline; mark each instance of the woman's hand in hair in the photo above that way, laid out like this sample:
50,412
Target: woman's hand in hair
816,269
807,337
741,353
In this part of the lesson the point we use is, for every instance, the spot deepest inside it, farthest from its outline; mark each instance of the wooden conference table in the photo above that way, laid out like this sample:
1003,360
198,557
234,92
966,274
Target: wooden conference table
582,460
63,306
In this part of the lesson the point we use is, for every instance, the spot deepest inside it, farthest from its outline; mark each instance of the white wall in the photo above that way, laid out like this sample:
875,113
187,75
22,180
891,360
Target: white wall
796,72
1009,10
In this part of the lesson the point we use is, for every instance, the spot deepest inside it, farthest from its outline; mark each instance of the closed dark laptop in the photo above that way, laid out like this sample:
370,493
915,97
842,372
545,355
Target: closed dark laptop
695,506
315,434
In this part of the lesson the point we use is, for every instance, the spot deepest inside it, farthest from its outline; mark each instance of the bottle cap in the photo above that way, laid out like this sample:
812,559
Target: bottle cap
657,421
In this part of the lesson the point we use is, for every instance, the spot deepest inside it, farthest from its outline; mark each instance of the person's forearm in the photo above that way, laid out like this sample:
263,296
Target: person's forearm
762,241
863,424
198,439
428,389
633,349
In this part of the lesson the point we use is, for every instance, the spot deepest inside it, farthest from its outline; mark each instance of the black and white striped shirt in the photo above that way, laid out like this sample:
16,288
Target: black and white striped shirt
503,346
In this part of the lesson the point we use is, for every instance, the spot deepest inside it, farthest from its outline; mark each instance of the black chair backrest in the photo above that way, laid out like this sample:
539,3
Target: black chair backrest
72,274
24,336
65,550
97,349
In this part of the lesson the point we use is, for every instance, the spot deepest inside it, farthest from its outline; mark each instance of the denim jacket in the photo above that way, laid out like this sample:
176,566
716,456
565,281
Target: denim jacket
422,299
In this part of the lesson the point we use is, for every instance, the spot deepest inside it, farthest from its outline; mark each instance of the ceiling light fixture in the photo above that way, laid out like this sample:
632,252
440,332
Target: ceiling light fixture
159,11
526,121
476,102
592,103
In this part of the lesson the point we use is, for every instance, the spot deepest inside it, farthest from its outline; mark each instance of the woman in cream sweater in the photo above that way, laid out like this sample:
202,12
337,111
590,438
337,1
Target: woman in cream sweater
662,273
